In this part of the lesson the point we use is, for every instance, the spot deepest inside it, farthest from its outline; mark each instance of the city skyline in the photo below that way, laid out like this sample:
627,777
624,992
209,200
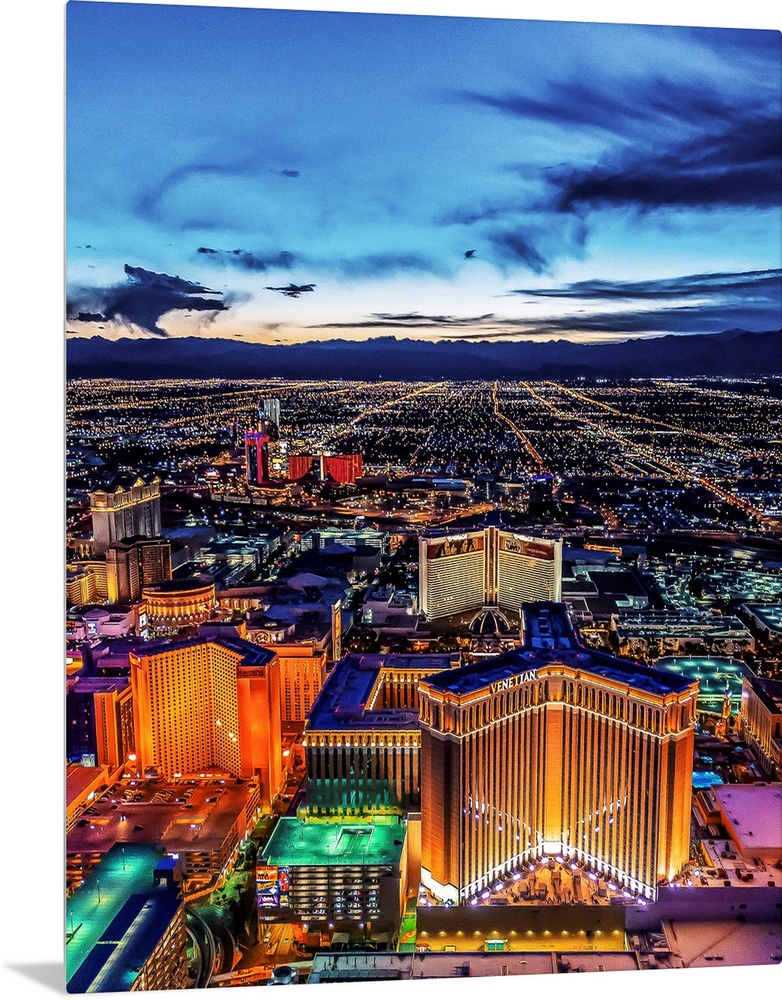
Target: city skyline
430,178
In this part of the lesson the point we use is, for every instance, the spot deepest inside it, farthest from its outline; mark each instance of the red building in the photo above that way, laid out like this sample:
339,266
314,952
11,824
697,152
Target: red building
256,457
338,468
299,466
341,468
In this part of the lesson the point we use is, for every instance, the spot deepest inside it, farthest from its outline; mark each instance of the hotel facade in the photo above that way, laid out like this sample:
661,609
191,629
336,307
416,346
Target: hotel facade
362,739
208,705
124,512
554,749
487,566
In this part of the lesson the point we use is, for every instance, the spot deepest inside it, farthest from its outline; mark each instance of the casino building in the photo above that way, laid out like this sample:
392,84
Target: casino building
554,749
487,566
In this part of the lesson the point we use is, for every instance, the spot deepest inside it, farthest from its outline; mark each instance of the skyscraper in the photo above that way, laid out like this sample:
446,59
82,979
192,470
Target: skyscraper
554,749
99,719
135,563
487,566
128,508
256,457
207,704
362,737
270,409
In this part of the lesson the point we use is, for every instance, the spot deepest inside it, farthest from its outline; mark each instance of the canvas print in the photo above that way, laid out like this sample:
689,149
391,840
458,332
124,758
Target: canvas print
424,521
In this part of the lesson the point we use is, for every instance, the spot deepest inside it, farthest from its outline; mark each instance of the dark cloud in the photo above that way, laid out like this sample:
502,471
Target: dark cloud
735,166
666,144
250,260
469,215
142,300
568,104
514,246
766,284
404,321
631,323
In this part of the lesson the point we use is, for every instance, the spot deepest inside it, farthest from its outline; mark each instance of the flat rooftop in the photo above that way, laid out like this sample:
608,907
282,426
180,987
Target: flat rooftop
769,614
768,690
342,700
703,945
299,842
753,814
192,825
78,779
114,920
363,967
714,674
547,626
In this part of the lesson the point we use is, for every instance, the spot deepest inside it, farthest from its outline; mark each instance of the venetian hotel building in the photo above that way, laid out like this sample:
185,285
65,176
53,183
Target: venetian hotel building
554,749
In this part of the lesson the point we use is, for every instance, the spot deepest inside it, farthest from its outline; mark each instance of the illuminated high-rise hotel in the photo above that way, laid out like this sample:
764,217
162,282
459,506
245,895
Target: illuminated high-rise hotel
451,572
554,749
207,704
256,457
339,468
488,566
127,509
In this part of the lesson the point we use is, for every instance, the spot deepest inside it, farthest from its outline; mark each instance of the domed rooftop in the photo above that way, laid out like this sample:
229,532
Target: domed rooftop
489,621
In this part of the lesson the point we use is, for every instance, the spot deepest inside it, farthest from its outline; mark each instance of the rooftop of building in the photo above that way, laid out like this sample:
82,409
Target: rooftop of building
341,703
769,614
709,944
97,685
767,689
694,621
449,532
78,779
617,581
310,842
178,586
547,626
715,675
115,919
123,483
131,541
753,813
437,964
551,640
252,655
201,822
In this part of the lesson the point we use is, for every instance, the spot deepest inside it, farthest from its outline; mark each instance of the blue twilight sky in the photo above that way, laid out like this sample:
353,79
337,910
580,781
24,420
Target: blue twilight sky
607,181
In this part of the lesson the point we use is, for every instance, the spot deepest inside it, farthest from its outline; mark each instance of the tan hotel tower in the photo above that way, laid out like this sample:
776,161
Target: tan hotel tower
554,749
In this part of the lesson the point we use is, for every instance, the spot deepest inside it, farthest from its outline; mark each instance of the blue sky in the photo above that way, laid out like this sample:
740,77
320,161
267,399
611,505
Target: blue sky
612,181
